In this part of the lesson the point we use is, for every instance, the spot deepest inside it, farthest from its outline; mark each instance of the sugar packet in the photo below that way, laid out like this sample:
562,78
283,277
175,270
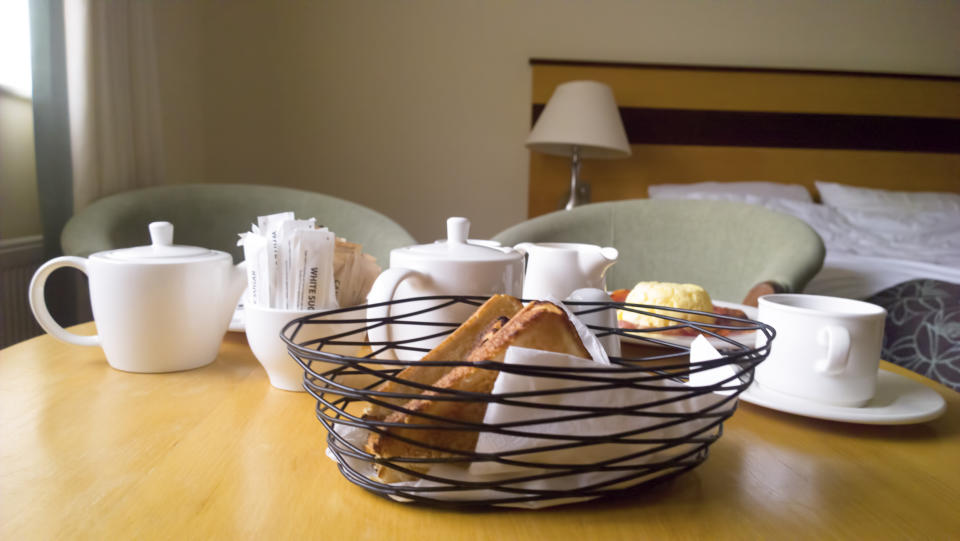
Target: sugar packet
311,270
295,265
289,263
354,273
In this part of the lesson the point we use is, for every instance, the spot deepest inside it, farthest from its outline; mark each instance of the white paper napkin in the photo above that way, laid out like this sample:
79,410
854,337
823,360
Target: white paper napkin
701,350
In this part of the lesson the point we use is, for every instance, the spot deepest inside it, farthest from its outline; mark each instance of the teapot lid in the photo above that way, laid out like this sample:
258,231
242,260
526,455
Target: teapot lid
457,247
162,249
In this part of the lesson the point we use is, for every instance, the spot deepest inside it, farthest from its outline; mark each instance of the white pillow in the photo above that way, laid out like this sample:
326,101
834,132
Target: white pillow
749,190
854,198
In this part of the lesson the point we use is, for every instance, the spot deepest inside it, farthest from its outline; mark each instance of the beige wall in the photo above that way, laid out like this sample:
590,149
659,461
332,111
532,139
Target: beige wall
19,210
419,108
179,27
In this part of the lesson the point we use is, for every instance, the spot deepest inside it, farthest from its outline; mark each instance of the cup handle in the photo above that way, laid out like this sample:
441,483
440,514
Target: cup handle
383,290
38,303
837,340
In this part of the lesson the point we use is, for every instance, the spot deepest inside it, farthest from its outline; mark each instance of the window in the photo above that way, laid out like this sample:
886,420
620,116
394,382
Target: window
15,47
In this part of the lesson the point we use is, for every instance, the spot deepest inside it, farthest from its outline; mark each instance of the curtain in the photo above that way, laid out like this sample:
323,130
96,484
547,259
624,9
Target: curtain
113,97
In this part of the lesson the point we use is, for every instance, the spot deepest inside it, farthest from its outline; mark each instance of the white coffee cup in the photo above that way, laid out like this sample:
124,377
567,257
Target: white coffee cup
827,349
263,327
454,267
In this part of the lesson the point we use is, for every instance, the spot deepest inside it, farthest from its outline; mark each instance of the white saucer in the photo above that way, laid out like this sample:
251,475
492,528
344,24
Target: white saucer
899,401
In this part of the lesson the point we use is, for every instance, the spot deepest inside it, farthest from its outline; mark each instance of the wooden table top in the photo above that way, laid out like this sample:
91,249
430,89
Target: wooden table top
87,451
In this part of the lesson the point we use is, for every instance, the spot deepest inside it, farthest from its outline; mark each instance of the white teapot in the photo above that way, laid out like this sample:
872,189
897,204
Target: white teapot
455,266
158,308
559,268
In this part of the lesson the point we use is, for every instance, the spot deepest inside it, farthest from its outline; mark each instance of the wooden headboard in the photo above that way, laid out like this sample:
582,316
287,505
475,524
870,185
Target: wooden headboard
694,124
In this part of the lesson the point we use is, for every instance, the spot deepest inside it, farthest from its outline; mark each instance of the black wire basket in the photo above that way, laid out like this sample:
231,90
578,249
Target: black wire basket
568,444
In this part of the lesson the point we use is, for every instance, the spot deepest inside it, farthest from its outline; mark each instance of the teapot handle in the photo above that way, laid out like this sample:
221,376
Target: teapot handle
38,303
382,291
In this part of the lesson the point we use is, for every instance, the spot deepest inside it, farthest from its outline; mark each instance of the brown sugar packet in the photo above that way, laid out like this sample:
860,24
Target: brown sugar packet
353,272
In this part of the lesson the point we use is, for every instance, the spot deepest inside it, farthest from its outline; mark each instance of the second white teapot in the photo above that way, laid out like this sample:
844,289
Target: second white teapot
455,266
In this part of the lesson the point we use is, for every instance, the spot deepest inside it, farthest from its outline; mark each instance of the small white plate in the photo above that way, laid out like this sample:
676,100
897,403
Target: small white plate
238,323
746,337
899,401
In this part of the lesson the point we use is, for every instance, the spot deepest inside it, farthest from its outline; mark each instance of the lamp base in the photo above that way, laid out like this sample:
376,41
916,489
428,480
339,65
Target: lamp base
582,197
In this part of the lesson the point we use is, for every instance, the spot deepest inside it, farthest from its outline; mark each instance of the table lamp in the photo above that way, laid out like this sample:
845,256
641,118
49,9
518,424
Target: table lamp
581,120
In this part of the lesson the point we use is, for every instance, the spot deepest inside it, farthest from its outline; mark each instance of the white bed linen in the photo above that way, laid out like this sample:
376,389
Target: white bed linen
867,250
857,276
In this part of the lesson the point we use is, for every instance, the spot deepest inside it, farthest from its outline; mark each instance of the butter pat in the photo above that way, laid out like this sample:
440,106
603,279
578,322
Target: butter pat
670,295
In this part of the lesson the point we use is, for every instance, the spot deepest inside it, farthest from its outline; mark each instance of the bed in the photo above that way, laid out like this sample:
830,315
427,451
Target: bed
870,161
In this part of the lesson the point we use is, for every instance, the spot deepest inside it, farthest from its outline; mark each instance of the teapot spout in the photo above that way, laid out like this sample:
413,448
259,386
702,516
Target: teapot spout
238,282
595,263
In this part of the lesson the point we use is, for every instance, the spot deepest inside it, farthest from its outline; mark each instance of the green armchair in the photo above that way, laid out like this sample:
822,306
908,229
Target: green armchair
211,215
734,250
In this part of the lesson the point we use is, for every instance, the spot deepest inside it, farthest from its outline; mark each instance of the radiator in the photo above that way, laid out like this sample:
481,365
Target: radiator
19,259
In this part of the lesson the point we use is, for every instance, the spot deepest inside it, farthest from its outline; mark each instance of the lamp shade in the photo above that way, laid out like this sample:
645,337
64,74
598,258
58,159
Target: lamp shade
580,114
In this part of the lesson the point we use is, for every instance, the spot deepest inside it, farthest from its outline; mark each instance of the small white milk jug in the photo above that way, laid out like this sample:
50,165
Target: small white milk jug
559,268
